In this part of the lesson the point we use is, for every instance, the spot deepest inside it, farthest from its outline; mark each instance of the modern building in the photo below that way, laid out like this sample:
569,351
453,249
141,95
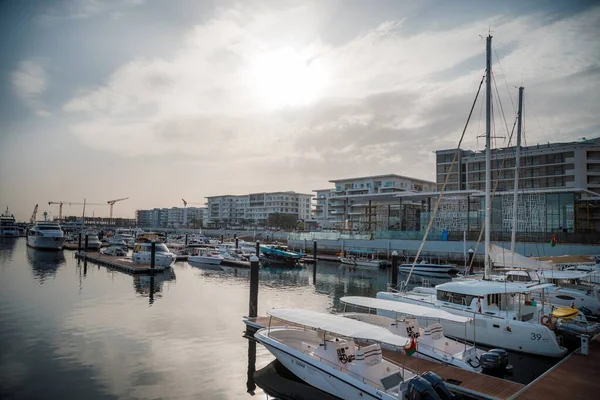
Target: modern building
553,165
558,192
255,208
174,217
365,203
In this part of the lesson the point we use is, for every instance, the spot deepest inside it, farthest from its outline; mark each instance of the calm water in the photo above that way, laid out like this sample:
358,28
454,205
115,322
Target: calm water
74,331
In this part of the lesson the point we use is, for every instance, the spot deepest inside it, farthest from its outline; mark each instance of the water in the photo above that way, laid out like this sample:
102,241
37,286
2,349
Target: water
69,330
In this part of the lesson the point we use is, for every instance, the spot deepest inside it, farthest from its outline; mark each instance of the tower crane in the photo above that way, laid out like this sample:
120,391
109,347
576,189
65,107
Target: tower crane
71,203
112,203
33,215
185,203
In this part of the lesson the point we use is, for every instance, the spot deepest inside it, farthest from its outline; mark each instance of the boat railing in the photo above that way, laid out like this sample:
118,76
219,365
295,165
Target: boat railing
346,371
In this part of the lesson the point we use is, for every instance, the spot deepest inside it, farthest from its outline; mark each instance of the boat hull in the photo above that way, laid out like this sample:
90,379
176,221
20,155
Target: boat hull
46,242
492,331
431,268
161,259
204,260
9,233
321,376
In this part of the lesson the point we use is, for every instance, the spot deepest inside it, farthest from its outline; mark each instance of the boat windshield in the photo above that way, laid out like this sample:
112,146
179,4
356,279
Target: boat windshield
48,228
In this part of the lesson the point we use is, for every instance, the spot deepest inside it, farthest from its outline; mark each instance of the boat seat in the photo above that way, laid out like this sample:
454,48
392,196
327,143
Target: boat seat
435,331
370,355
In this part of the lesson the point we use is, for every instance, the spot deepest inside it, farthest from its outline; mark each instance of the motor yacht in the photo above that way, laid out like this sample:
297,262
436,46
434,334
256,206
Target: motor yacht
46,235
505,313
205,256
331,353
362,259
142,254
8,228
433,345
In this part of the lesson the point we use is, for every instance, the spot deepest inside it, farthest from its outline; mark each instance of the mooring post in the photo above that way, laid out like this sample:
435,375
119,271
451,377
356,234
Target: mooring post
186,239
79,243
86,243
152,255
222,238
236,243
314,261
394,269
258,248
253,305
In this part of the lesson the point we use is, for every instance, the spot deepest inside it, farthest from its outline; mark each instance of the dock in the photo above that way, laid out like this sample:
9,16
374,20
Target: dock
467,383
119,263
575,377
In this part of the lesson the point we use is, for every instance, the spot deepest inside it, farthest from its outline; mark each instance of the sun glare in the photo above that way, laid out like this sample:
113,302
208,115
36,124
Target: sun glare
287,78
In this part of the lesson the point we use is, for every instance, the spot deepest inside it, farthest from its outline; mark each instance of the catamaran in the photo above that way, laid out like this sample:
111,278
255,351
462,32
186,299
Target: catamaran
433,345
331,353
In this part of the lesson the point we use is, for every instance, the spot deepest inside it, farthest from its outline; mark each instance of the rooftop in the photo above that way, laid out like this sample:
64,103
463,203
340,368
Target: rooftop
380,177
585,142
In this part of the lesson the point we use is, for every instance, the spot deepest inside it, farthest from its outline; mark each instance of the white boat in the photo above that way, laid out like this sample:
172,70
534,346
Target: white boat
206,257
46,235
119,251
8,228
142,254
571,288
505,313
362,259
322,351
429,268
433,345
94,242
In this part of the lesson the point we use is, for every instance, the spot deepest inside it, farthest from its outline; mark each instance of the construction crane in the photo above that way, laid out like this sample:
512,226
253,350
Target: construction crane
185,203
112,203
71,203
33,215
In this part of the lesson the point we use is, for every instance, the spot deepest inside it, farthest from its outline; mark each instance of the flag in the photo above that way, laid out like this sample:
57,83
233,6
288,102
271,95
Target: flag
553,241
411,347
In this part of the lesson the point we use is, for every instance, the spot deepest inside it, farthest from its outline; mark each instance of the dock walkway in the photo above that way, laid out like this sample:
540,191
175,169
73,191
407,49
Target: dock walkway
575,377
118,263
471,384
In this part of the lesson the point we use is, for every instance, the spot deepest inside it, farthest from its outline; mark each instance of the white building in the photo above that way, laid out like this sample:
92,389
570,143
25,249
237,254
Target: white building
174,217
364,203
256,207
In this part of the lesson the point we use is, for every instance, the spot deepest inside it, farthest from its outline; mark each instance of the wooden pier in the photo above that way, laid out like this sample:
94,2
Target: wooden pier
573,378
119,263
467,383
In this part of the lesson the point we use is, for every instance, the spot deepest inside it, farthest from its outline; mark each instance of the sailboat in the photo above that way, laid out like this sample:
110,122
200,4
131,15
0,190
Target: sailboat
504,313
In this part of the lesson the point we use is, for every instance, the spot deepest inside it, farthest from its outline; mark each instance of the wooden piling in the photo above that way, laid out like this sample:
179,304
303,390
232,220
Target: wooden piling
314,261
152,255
79,243
253,303
186,239
86,243
258,248
236,243
394,282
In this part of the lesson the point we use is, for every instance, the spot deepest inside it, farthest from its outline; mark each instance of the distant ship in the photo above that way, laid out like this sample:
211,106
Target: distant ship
8,227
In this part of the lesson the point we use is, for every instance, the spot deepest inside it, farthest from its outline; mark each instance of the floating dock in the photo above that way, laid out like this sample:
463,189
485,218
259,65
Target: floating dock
467,383
574,377
119,263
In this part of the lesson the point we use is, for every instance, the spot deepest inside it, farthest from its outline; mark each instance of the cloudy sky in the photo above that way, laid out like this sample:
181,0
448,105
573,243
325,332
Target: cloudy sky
159,100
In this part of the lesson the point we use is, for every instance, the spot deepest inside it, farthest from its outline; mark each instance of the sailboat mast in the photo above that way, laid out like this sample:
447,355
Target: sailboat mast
488,153
513,236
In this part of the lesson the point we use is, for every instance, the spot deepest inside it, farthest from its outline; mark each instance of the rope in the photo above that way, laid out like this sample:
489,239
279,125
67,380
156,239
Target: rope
504,76
439,199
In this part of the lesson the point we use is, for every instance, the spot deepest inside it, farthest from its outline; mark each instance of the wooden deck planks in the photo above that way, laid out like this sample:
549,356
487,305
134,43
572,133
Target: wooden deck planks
485,385
119,263
574,378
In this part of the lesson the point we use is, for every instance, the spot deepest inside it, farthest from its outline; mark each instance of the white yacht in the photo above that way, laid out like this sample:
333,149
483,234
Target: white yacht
330,353
8,228
142,254
46,235
94,242
362,259
433,345
205,256
426,268
505,313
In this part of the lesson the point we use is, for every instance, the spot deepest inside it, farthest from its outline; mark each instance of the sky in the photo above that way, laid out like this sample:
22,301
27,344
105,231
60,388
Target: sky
162,100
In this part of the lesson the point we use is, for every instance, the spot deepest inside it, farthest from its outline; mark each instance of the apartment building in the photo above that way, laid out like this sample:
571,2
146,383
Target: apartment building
256,207
552,165
174,217
365,203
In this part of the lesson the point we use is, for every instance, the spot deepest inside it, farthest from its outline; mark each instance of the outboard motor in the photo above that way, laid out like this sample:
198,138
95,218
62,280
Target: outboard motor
420,389
495,362
439,386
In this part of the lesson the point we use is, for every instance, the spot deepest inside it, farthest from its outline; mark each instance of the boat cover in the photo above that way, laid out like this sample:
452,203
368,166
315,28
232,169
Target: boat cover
404,308
339,325
502,257
565,313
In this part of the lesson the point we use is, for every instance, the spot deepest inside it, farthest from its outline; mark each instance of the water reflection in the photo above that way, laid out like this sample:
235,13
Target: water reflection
44,264
7,246
151,286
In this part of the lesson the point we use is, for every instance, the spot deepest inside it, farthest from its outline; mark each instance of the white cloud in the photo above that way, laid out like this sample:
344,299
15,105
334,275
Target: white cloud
385,100
29,82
